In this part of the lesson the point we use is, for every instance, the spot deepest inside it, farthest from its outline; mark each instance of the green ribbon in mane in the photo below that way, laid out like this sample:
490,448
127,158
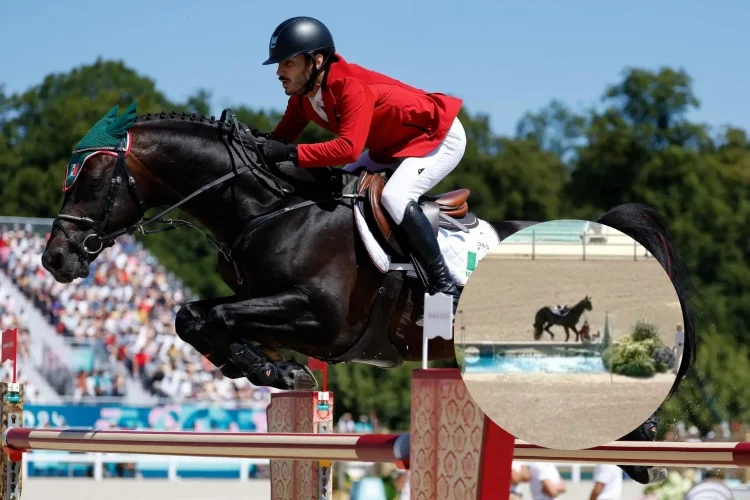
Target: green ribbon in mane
108,134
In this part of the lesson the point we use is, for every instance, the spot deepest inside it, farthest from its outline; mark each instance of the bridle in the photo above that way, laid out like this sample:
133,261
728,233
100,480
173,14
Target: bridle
121,171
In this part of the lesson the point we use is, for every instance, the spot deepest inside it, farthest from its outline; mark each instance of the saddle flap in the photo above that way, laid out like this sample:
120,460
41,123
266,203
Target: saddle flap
375,191
371,185
365,179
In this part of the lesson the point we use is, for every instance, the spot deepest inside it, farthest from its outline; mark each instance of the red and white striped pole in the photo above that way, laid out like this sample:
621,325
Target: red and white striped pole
380,448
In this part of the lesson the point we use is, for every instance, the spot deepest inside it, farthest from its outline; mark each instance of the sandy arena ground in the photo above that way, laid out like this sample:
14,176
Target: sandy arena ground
566,411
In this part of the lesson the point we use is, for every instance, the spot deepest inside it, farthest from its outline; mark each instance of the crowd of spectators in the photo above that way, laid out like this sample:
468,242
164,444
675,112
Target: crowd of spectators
125,311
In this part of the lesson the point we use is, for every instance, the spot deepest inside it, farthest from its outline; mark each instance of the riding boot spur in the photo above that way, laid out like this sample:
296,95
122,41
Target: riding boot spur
423,244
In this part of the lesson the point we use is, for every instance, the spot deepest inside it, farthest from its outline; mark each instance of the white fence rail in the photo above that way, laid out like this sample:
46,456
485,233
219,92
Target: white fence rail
99,459
592,243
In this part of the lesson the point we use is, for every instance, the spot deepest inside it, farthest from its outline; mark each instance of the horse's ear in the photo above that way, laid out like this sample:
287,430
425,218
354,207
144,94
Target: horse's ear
112,113
120,126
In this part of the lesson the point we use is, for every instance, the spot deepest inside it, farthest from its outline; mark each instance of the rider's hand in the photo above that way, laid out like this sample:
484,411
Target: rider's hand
276,151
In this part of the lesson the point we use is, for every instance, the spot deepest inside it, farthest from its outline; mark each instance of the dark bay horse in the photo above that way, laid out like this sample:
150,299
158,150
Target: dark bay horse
545,318
287,246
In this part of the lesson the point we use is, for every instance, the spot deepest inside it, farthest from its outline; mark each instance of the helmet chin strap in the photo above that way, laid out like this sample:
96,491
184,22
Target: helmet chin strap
315,72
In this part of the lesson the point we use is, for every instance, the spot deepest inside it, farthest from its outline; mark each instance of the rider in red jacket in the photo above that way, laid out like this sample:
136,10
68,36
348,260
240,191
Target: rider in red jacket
415,133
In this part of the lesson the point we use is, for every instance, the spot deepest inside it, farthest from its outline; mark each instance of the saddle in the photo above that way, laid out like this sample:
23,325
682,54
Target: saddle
560,312
447,210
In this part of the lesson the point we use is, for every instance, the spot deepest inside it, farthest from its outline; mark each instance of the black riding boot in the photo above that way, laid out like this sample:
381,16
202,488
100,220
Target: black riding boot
423,244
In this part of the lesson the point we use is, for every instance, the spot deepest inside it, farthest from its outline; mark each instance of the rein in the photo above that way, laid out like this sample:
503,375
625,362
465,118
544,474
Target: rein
261,170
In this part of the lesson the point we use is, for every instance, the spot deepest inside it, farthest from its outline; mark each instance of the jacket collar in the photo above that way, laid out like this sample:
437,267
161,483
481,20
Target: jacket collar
333,72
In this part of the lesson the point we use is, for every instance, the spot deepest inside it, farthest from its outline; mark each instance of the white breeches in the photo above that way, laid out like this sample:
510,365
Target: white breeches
414,176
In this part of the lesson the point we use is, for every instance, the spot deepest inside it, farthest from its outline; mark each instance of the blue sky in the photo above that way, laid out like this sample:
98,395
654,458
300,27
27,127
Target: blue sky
503,58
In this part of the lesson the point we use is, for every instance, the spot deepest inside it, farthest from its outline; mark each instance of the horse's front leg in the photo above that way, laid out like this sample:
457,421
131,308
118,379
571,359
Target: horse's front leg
288,318
190,326
567,332
578,334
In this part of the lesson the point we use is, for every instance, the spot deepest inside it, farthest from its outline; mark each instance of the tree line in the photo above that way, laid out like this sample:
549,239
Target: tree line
637,146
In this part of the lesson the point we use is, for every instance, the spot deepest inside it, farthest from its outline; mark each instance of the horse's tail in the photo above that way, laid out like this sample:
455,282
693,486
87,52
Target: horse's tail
645,226
537,331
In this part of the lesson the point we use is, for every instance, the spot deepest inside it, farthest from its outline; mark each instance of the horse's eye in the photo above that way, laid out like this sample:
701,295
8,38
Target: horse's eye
96,181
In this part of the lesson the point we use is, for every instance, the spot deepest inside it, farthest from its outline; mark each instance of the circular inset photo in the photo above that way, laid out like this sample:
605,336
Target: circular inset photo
568,334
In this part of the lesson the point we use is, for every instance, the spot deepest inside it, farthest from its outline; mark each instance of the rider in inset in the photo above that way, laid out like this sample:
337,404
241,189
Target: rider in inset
413,132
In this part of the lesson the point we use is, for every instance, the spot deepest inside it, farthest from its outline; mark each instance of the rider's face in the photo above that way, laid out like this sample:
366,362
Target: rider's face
294,72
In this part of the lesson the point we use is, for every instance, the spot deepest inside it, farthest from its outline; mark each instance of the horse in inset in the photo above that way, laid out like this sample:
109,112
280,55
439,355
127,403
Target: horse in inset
546,317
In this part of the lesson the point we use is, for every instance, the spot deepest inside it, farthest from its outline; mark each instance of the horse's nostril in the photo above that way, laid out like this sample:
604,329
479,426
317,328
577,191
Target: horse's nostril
54,259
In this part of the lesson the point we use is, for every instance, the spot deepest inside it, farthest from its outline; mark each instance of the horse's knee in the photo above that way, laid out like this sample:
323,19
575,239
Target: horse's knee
218,318
187,322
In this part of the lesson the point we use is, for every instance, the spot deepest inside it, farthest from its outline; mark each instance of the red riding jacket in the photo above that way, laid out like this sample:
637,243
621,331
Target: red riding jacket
368,109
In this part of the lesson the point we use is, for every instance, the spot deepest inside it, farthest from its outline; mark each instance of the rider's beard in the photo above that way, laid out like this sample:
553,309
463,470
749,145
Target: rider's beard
297,85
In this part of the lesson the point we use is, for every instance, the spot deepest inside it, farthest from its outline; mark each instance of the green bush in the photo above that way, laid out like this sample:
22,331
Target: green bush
641,354
629,358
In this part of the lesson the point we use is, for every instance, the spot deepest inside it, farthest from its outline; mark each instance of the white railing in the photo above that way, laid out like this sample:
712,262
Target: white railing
99,459
538,244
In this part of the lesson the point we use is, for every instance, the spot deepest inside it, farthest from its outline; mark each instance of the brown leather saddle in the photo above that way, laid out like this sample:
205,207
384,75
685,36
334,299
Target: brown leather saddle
448,210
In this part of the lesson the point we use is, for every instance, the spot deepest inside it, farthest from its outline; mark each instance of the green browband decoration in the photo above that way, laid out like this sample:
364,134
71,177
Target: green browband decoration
107,134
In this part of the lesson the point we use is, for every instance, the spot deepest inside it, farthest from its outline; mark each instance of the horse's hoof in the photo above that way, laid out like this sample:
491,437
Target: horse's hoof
645,475
295,376
657,474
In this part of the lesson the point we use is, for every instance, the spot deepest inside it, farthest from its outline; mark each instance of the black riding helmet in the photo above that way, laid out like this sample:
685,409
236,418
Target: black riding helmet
301,35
